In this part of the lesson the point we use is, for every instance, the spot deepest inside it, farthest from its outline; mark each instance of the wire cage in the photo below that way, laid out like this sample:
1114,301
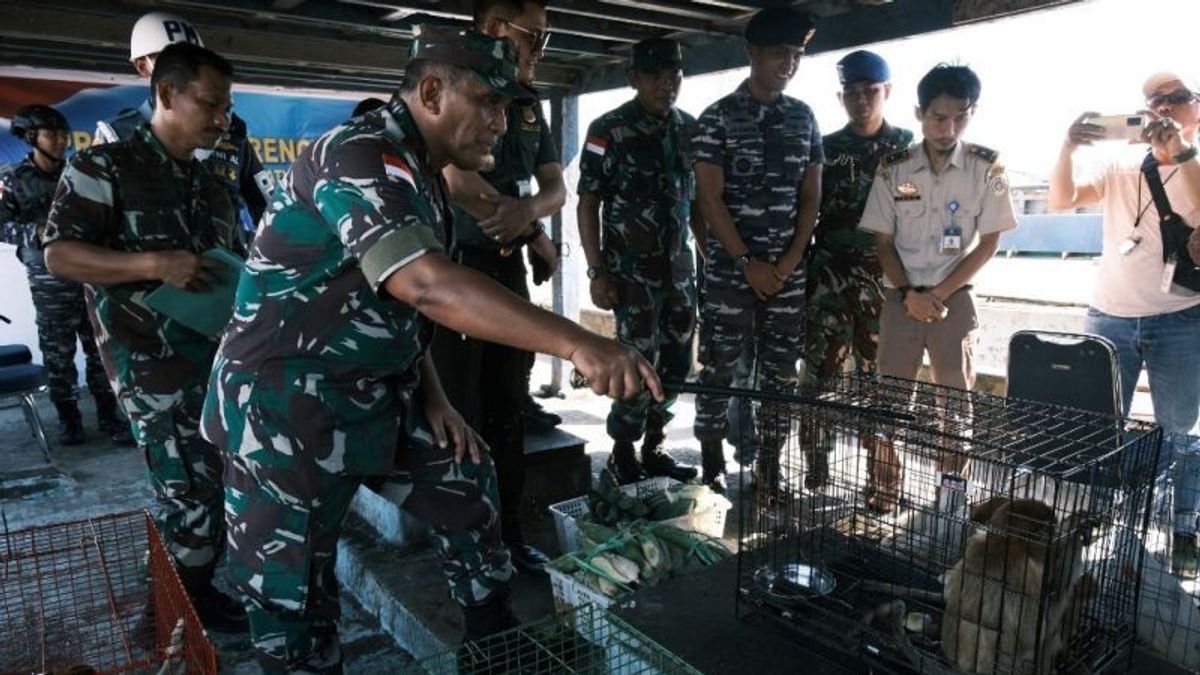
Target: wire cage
934,530
586,640
99,595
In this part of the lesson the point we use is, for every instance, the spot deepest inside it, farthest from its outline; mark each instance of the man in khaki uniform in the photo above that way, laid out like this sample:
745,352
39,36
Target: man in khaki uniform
937,210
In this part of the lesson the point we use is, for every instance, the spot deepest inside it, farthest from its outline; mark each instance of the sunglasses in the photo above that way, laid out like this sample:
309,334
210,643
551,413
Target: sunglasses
539,38
1178,97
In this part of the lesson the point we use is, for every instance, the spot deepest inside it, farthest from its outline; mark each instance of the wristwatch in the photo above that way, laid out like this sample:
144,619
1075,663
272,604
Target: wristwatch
741,262
594,272
1185,156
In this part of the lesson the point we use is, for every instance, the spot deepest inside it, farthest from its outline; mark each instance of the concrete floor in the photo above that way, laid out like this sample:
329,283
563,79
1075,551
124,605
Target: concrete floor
95,479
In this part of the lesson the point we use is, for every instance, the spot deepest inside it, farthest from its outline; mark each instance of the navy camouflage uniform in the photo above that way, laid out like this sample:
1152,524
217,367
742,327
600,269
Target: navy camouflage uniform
764,150
317,380
487,382
132,196
233,160
26,193
640,165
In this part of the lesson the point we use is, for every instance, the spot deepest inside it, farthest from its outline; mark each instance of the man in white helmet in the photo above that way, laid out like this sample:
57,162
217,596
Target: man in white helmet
233,160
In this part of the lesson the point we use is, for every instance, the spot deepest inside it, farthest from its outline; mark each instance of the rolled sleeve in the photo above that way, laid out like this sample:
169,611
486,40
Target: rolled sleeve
380,204
879,214
83,203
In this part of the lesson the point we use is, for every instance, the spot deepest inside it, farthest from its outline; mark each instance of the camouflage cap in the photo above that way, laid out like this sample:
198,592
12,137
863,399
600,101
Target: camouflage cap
494,60
653,53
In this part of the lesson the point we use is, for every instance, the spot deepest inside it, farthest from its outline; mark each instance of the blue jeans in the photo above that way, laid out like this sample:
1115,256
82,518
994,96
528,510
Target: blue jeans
1168,345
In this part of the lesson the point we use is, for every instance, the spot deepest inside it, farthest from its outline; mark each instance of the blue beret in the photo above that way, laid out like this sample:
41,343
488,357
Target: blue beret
780,26
863,66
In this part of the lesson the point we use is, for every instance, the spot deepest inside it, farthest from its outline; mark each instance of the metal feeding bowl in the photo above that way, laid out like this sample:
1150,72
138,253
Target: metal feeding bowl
794,582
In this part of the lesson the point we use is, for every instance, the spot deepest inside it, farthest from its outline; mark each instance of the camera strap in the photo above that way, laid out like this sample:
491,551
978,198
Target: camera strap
1155,183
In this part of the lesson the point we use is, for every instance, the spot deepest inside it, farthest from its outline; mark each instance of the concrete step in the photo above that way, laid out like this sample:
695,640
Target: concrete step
386,562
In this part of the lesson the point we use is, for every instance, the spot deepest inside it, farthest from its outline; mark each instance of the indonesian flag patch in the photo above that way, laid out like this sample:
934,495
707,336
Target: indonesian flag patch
597,145
395,167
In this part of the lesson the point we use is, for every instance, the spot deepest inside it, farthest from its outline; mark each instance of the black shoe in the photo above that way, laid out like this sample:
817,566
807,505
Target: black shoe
117,429
528,558
71,433
70,423
712,459
218,611
657,462
538,417
624,465
487,648
1185,556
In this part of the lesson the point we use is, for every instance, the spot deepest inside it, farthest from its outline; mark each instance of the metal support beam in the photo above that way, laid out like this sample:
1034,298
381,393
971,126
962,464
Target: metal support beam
564,125
860,26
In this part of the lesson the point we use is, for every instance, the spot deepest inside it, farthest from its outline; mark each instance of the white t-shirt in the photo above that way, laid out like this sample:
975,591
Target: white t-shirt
1131,285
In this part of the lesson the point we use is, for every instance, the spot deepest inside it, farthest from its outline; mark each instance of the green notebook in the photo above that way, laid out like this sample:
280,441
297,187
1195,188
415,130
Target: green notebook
204,311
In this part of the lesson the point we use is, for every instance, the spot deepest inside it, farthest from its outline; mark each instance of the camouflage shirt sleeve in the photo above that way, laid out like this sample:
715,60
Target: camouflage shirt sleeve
378,201
596,163
10,211
816,146
83,203
708,145
547,150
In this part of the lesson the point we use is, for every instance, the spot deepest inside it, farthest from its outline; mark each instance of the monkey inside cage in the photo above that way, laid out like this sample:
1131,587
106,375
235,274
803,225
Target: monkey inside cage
925,529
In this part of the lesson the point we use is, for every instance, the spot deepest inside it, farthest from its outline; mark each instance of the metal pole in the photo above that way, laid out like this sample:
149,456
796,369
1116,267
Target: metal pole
564,124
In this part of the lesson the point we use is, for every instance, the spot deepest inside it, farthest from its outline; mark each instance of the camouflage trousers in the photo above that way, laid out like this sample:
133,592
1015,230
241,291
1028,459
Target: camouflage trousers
659,323
185,472
841,316
730,317
284,523
62,320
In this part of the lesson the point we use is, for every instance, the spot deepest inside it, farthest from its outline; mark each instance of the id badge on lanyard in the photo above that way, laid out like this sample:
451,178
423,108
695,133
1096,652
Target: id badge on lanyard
951,243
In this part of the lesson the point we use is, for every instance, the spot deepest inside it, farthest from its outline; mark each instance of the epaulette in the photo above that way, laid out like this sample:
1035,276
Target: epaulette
896,157
986,154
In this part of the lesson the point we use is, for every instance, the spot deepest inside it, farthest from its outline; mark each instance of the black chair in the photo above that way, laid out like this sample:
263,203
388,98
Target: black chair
1066,369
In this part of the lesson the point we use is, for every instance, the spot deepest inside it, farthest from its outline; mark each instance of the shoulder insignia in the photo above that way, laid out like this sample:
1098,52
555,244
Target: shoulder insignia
896,157
986,154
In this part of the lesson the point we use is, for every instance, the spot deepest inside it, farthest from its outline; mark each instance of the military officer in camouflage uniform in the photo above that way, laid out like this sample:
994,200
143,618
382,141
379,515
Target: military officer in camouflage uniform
233,159
26,190
324,366
497,219
844,278
936,210
636,172
758,172
128,217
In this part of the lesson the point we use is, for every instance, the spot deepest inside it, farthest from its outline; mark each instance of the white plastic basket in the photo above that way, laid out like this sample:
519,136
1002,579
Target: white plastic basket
570,593
709,521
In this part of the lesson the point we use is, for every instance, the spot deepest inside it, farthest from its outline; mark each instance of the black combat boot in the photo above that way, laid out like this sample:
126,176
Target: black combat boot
486,647
712,459
657,462
70,423
538,418
218,611
111,421
624,465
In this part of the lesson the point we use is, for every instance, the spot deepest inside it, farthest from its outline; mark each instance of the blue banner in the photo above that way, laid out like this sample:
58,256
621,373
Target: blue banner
280,125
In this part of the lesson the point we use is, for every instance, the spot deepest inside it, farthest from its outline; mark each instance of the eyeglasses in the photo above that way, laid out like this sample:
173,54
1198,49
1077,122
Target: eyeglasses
539,38
1177,97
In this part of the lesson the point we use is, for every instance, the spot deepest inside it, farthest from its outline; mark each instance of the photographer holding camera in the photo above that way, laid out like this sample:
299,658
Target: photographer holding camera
1146,299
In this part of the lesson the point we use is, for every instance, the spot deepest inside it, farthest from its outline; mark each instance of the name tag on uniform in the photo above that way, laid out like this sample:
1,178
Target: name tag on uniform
524,188
951,236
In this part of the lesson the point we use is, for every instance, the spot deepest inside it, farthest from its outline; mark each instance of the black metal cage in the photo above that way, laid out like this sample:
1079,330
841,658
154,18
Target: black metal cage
928,529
